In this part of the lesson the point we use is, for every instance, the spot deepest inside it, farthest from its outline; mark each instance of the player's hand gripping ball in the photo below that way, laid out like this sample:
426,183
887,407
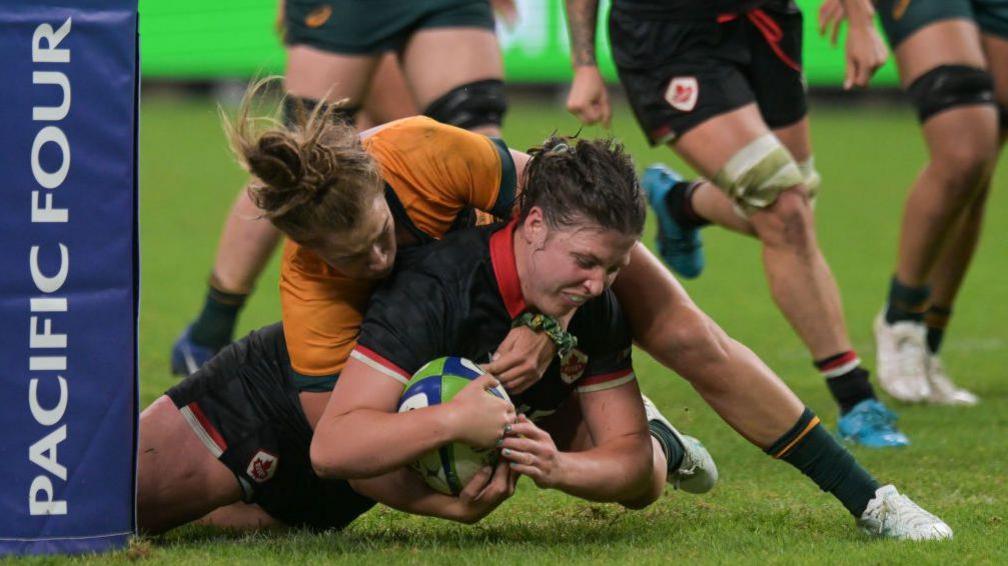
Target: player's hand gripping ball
449,468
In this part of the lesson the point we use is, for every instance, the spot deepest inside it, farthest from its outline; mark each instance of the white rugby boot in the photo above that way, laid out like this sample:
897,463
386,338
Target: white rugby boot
901,359
943,390
697,473
892,515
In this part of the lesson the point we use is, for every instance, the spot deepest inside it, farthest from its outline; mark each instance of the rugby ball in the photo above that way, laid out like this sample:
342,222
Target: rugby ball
449,468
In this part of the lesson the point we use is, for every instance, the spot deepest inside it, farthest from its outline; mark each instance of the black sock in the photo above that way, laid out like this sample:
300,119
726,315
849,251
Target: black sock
679,201
936,319
846,379
814,451
215,325
906,303
673,449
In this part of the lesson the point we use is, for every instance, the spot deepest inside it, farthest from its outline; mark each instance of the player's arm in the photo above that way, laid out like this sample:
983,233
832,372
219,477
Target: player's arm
865,49
360,435
404,490
582,16
618,467
524,356
588,98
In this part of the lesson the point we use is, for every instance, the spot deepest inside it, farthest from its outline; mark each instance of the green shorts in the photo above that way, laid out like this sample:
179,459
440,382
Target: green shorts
901,18
365,27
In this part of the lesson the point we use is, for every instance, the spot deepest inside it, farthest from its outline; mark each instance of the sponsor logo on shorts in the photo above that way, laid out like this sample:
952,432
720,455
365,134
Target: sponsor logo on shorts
262,467
573,365
899,9
318,16
682,93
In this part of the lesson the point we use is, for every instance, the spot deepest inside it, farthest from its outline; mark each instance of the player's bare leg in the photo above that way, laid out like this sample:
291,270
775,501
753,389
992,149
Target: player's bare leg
388,97
474,54
801,282
754,401
951,267
710,202
953,262
950,270
245,247
962,143
730,378
942,215
179,479
241,517
323,75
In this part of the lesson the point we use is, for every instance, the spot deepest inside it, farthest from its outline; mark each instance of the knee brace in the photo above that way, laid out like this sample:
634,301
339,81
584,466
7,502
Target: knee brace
949,86
755,176
480,103
297,109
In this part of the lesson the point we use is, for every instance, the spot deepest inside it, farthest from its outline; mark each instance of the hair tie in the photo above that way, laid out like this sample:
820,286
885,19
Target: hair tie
561,148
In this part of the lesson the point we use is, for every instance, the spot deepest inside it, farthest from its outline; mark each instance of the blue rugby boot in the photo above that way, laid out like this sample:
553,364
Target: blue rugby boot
871,424
680,248
188,356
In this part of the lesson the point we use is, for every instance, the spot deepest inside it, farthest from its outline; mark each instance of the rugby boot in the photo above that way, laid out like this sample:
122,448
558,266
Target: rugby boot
871,424
943,390
187,356
901,359
892,515
697,473
681,248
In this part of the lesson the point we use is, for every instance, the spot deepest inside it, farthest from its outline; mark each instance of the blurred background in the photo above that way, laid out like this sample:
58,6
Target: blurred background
233,39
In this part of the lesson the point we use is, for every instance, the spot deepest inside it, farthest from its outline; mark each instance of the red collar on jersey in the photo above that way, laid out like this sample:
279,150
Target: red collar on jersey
505,270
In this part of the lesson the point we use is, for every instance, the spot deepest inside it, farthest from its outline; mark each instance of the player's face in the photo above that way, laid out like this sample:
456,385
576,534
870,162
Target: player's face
571,265
367,252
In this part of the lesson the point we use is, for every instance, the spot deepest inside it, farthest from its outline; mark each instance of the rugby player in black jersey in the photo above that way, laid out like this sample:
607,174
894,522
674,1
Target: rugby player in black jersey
561,253
720,82
242,418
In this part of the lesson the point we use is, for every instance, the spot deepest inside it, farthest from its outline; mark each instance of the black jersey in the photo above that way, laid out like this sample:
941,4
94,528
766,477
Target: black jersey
684,9
459,296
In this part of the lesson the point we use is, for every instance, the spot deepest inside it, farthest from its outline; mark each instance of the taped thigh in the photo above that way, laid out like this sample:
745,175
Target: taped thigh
755,176
810,178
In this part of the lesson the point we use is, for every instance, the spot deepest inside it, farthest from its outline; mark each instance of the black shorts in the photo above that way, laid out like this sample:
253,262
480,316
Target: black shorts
367,27
245,408
679,73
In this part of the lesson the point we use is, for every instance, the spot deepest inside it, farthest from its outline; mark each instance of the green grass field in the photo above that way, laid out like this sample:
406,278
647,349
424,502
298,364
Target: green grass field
762,511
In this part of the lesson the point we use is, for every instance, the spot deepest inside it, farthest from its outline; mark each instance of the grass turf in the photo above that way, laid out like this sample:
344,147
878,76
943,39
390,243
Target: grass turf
762,511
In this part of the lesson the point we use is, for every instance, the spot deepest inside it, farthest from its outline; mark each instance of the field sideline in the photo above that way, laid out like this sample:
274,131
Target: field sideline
762,511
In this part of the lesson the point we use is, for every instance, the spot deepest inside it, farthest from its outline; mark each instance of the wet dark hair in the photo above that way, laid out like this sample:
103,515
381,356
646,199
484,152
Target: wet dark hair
576,180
